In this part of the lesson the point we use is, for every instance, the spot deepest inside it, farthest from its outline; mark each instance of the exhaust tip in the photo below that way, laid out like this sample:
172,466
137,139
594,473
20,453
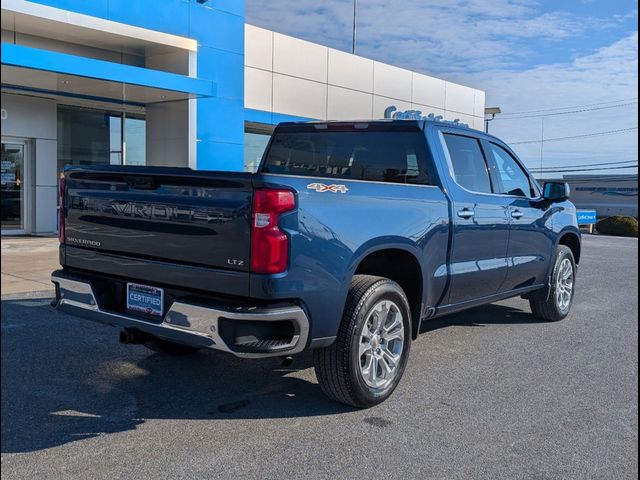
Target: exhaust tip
287,361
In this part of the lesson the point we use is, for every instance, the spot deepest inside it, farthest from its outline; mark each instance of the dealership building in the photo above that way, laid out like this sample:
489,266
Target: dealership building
172,82
606,194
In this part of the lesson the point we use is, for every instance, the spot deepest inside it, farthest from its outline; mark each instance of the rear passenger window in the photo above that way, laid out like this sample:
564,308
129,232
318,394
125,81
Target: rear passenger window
468,163
382,156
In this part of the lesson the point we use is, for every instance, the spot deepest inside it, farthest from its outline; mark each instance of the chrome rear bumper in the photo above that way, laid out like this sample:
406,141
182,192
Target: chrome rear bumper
185,323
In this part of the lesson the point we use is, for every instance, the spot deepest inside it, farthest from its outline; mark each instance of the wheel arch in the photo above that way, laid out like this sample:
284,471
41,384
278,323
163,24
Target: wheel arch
403,267
571,240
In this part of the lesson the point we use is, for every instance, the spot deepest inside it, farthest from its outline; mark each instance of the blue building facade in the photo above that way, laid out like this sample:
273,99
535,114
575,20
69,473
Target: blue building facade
217,27
183,83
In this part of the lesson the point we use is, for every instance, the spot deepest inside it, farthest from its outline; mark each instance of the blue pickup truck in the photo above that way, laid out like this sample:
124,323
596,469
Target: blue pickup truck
349,236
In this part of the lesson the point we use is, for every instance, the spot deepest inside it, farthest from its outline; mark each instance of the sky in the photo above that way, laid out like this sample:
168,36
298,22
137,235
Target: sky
555,68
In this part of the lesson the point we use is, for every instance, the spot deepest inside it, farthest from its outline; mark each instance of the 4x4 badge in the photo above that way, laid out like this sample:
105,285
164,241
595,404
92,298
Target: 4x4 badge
321,187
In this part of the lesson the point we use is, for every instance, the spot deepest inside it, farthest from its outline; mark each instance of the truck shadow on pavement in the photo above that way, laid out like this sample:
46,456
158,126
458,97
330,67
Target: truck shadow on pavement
66,379
493,314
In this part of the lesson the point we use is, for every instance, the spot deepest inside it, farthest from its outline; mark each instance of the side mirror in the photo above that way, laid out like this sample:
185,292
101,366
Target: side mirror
556,191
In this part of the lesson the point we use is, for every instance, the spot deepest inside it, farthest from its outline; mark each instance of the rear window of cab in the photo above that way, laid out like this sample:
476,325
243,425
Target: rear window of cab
397,156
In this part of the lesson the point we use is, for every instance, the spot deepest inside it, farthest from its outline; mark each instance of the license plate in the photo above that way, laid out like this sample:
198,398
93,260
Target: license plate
145,299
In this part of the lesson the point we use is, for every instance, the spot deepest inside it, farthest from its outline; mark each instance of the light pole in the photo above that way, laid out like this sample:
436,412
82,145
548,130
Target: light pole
353,41
493,111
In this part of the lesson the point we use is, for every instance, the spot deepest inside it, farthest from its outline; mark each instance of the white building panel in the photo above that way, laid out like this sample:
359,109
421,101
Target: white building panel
258,50
258,92
350,71
344,104
71,26
460,99
462,117
478,123
29,117
372,86
45,212
392,82
478,109
427,109
381,103
303,98
298,58
428,91
46,162
168,134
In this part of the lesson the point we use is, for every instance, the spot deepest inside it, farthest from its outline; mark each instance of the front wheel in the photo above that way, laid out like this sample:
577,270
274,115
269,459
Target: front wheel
554,303
365,364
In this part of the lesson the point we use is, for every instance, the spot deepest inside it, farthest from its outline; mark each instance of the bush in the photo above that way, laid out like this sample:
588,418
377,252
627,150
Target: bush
622,226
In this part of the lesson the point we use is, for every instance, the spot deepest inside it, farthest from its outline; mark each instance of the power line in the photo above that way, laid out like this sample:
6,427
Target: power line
585,169
516,117
588,165
573,106
586,135
612,177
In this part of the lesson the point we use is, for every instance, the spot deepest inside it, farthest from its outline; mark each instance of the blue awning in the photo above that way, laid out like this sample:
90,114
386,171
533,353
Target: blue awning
65,74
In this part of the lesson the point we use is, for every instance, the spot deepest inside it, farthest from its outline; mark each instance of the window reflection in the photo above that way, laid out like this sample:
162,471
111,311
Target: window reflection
254,146
115,145
135,140
98,137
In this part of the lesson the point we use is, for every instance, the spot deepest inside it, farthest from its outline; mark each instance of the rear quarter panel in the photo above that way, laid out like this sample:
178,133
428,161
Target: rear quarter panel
332,232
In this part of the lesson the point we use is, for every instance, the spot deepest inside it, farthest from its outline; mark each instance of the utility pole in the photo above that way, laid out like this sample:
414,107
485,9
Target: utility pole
353,42
541,145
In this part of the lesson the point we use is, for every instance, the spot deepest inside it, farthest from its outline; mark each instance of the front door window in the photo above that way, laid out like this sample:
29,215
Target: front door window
12,182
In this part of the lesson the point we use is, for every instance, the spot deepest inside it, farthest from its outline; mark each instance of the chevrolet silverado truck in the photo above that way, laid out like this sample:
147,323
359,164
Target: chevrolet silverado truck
346,239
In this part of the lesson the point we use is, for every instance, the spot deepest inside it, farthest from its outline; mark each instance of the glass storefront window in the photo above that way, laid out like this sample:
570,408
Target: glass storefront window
87,137
96,137
115,140
254,146
135,140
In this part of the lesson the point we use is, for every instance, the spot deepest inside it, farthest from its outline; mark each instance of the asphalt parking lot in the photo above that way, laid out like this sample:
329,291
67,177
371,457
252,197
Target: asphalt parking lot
489,393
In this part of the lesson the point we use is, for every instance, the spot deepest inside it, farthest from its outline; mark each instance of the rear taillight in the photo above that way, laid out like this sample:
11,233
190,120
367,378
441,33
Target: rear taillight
269,244
61,212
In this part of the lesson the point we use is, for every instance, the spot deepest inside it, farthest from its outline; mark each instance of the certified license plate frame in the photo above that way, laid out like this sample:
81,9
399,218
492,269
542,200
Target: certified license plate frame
149,300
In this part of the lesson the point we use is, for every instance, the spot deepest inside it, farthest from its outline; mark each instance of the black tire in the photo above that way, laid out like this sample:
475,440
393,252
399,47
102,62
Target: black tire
338,367
169,348
544,304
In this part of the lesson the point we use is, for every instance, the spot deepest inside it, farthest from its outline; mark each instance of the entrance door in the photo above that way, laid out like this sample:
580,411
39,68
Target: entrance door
13,192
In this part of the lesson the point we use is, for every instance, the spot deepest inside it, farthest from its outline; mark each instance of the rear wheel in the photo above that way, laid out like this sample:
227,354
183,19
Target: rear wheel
169,348
366,362
554,303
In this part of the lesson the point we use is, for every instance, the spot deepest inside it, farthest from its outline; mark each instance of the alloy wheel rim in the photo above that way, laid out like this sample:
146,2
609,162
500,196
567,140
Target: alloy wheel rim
564,285
381,344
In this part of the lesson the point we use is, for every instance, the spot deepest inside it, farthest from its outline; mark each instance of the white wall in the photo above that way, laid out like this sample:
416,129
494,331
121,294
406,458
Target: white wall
35,119
168,134
81,50
295,77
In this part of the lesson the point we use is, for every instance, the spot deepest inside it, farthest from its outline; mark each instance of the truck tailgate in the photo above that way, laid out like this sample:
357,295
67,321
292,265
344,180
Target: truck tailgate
173,215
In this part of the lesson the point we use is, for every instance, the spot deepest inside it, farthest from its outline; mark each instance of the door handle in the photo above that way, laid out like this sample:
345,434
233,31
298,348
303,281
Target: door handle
466,213
517,214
